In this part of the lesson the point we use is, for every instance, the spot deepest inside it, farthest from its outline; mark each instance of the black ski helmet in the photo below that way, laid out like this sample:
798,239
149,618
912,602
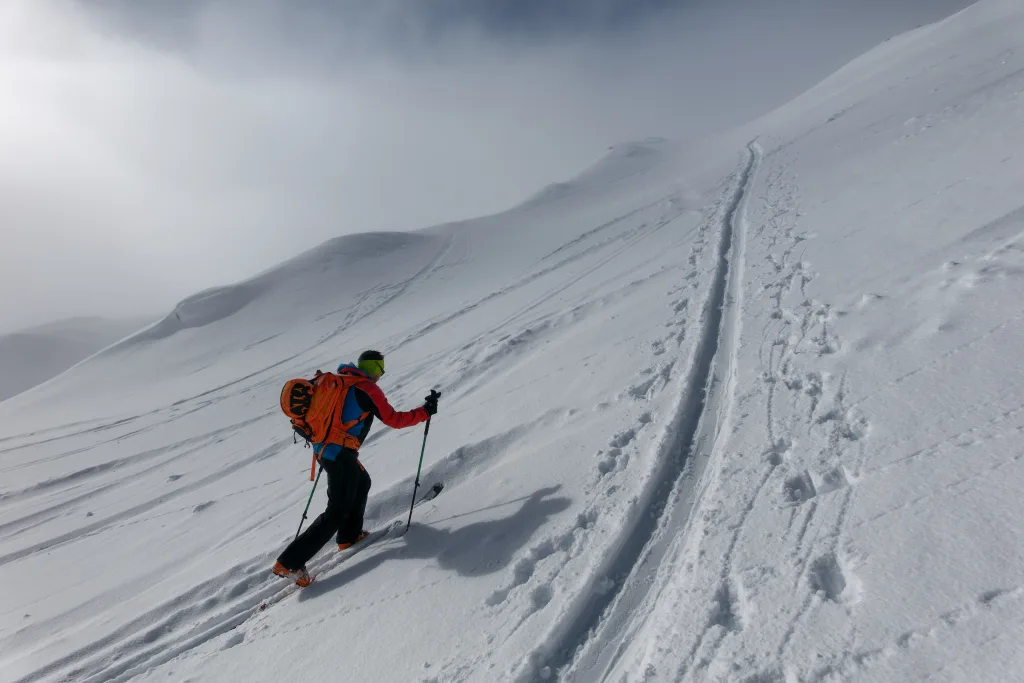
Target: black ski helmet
371,362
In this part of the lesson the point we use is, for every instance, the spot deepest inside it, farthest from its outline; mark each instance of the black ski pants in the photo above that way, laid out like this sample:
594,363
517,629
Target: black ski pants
348,485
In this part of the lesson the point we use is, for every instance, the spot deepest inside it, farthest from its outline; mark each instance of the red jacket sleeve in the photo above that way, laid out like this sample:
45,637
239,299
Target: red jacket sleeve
388,415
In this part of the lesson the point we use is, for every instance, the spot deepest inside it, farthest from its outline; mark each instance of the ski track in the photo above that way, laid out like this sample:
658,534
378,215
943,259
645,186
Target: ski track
472,377
581,645
226,601
801,402
65,482
630,237
189,620
589,640
96,527
392,292
699,437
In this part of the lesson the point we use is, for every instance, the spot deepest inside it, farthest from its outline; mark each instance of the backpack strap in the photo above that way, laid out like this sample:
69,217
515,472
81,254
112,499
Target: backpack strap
330,426
345,440
341,431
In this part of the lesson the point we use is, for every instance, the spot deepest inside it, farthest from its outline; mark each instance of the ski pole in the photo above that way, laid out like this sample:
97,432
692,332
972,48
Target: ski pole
433,395
417,484
303,520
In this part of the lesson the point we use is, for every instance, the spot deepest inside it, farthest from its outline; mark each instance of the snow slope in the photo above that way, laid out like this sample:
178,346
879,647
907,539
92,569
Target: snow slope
31,356
748,410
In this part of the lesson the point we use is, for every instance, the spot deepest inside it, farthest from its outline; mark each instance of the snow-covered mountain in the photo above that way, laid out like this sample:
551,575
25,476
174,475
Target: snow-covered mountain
34,355
743,410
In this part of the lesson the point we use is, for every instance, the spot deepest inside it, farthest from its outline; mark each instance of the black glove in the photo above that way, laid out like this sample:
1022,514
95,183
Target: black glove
430,402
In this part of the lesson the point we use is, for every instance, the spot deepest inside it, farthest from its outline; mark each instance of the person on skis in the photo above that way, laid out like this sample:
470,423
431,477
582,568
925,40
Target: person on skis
348,483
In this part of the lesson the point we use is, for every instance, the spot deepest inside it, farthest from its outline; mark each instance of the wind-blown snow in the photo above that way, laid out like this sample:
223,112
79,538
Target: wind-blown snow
743,411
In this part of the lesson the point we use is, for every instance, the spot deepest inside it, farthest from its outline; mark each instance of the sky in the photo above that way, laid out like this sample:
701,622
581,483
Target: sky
153,148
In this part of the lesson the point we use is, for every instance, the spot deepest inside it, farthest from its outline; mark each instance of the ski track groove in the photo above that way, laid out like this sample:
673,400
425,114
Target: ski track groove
585,618
219,605
102,425
96,527
632,237
630,240
789,336
99,425
397,290
191,445
140,639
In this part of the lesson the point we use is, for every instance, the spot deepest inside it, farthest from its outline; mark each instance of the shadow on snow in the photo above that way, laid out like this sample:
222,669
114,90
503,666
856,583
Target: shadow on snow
473,550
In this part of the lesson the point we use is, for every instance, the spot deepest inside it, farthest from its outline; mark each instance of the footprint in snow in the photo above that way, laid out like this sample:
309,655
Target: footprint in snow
798,489
524,569
642,389
623,439
541,596
235,639
868,299
805,486
779,451
607,463
618,442
832,480
827,577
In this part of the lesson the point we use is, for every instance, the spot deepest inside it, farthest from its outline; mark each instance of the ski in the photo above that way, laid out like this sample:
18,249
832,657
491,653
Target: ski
385,531
375,535
432,493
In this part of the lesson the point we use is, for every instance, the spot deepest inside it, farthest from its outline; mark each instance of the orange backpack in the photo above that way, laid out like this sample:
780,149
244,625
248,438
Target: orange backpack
314,407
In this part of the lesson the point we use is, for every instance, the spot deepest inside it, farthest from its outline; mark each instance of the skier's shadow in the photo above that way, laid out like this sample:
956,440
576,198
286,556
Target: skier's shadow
473,550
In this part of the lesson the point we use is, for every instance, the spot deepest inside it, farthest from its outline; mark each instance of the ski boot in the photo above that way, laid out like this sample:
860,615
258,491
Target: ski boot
300,576
345,546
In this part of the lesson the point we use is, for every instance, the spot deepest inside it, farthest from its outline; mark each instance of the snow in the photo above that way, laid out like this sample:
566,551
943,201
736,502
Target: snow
744,410
34,355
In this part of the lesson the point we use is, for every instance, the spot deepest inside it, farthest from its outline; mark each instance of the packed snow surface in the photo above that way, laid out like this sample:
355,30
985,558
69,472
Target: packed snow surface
749,410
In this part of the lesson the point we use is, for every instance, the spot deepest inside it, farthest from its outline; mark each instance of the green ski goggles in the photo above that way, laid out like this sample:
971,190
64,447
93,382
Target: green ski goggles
372,367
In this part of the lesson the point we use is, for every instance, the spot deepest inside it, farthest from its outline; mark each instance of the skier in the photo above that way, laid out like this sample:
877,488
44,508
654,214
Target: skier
348,483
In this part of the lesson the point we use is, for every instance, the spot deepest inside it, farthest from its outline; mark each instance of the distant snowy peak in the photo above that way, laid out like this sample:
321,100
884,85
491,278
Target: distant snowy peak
620,162
32,356
899,66
336,266
343,263
339,251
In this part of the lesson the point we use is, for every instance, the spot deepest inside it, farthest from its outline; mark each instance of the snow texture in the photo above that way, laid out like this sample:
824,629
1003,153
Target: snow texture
745,410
